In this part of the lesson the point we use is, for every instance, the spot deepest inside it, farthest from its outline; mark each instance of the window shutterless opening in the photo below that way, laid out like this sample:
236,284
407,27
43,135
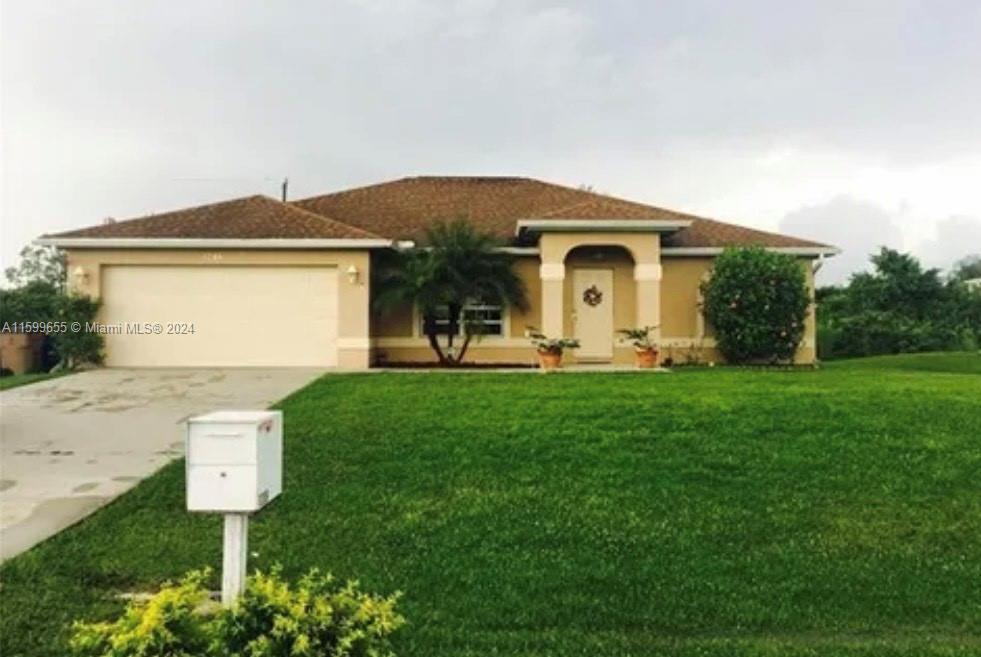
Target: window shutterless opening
475,318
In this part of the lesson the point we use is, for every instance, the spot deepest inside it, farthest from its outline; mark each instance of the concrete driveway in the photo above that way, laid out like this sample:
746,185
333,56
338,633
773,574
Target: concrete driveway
70,445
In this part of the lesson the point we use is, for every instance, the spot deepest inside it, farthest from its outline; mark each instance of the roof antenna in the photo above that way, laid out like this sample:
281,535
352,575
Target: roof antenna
286,184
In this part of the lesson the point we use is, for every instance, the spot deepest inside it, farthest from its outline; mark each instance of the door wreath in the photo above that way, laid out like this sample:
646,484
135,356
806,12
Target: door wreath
592,296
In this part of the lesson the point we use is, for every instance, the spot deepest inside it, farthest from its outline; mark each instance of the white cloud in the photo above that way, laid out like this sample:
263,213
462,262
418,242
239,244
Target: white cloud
857,227
747,112
955,238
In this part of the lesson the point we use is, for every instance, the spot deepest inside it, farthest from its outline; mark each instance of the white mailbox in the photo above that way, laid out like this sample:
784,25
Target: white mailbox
234,460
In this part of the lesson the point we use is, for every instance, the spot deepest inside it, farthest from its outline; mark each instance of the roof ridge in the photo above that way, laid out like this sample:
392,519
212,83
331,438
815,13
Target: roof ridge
420,178
470,178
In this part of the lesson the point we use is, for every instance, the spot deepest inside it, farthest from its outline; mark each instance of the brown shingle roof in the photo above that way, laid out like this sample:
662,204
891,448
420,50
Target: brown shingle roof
403,209
252,217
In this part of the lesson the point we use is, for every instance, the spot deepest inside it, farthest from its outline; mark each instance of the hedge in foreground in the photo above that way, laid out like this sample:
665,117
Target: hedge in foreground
317,617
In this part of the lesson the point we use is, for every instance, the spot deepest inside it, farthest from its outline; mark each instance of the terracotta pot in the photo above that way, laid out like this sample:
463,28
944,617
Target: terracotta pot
550,360
646,358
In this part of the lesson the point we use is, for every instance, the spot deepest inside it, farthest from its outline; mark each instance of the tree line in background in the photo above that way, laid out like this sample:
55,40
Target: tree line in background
901,307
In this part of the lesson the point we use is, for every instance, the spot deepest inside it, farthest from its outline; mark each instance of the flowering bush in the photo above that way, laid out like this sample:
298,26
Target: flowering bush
757,301
317,617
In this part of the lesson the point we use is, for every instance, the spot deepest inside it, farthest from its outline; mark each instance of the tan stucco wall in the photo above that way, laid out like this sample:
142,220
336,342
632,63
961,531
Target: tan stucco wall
682,330
644,248
682,326
353,318
680,296
393,336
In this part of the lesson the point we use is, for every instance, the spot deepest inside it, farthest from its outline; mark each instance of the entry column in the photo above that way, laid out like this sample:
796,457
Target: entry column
647,279
553,288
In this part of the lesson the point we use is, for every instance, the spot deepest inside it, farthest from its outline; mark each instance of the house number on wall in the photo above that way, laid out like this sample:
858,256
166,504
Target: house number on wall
592,296
212,256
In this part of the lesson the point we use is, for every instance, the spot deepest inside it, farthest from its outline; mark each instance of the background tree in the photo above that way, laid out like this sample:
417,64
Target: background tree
898,307
456,265
757,301
44,264
967,268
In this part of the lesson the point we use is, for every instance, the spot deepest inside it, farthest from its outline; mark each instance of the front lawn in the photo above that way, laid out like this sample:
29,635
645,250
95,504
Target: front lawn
714,512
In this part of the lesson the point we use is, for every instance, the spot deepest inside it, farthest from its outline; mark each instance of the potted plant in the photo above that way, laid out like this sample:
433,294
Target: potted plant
550,349
644,346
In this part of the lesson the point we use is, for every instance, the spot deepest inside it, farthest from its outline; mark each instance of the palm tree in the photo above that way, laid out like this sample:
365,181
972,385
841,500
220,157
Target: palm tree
456,266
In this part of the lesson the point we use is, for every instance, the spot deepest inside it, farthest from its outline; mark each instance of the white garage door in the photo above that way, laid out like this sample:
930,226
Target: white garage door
240,316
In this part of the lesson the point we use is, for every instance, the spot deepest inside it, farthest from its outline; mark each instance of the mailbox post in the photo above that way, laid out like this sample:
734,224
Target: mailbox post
234,467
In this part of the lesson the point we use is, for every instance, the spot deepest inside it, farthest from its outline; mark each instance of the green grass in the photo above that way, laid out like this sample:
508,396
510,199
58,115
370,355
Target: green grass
723,512
957,362
15,380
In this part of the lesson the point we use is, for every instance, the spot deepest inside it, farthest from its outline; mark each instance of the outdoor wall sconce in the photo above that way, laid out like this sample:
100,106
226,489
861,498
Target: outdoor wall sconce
352,274
80,276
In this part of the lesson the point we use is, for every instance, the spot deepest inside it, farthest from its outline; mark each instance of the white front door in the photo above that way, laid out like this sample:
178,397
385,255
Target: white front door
592,292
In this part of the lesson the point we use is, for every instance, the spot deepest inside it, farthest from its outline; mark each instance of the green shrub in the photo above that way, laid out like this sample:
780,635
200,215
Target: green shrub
77,347
36,301
899,307
316,617
756,300
873,333
827,341
44,302
172,623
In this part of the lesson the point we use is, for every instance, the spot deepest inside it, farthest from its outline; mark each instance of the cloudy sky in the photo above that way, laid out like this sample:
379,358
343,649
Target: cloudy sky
856,123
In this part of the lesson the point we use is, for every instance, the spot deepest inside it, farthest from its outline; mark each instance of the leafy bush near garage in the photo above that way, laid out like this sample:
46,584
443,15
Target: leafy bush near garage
317,616
38,296
757,301
40,303
77,347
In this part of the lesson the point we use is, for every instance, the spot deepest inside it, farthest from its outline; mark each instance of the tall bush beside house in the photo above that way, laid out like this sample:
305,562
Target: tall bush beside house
81,347
757,301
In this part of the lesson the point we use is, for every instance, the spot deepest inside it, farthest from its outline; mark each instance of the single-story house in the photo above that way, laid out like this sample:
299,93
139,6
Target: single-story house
266,283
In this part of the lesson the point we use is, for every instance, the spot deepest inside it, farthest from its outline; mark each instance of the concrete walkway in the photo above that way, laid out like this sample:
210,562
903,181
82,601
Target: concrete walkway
72,444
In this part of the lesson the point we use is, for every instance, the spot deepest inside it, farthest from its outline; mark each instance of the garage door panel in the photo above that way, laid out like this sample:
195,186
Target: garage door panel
242,316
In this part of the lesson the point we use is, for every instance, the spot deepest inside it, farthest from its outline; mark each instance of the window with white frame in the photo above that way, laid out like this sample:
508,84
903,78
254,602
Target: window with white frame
483,318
